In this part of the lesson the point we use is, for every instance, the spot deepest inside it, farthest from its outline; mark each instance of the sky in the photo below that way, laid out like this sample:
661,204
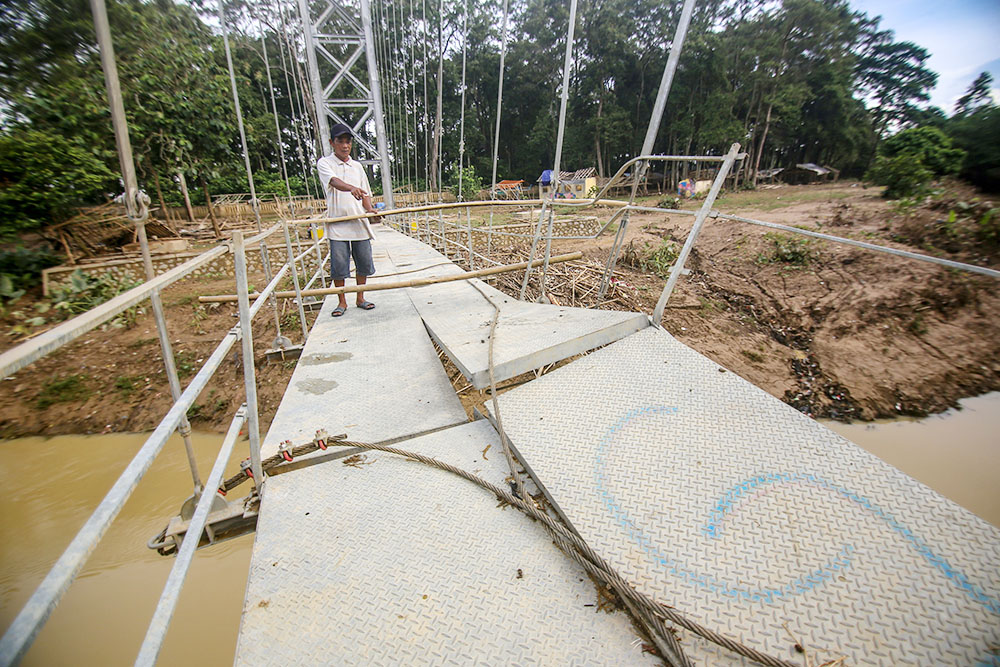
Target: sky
962,36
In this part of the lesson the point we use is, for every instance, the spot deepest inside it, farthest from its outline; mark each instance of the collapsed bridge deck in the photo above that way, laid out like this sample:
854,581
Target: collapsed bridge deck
703,491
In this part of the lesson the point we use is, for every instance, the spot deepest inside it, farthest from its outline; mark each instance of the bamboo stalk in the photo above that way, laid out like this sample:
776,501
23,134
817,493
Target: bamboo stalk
418,282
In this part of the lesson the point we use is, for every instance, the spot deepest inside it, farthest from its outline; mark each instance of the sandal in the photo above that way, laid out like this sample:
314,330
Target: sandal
338,311
366,305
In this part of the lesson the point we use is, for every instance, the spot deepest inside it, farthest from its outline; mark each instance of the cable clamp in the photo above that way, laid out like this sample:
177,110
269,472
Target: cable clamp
321,438
285,449
140,204
246,468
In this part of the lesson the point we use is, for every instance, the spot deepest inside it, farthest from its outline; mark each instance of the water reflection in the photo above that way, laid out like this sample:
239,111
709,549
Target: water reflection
956,453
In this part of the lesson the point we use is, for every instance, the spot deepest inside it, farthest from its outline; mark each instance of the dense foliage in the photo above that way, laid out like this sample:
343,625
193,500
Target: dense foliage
791,80
909,160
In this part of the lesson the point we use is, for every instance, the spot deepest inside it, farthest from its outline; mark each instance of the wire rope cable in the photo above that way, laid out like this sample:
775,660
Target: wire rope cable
265,260
277,124
496,134
427,154
461,124
296,102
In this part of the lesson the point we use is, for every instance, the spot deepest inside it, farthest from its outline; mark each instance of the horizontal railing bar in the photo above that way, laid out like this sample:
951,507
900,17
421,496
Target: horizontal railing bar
271,286
868,246
18,357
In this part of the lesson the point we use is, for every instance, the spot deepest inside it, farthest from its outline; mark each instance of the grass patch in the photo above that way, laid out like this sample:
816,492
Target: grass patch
213,405
63,390
710,306
787,249
184,361
126,384
917,326
753,355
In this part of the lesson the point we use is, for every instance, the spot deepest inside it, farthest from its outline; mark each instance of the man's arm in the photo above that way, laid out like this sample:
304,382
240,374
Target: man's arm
358,193
344,186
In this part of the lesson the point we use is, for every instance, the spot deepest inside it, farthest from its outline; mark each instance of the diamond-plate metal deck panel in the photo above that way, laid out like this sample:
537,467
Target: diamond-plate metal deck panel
390,562
717,498
528,335
372,374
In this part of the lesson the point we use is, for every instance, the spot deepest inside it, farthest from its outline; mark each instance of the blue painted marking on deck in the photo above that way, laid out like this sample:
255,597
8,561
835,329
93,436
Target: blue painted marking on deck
740,494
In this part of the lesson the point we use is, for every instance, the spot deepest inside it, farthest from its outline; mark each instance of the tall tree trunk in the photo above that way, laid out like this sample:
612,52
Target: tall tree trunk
184,192
211,209
597,138
687,151
159,194
760,147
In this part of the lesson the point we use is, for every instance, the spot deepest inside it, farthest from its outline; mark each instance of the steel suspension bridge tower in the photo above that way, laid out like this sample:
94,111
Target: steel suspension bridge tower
341,37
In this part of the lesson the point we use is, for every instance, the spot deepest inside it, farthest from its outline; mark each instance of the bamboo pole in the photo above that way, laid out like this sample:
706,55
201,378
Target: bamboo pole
463,204
417,282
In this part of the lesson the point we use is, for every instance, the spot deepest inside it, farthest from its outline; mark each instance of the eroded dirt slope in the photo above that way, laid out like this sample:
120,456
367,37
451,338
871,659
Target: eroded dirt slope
834,330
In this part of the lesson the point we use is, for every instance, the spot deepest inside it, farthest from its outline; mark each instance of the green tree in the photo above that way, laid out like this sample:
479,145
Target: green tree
978,134
909,160
893,74
43,176
978,95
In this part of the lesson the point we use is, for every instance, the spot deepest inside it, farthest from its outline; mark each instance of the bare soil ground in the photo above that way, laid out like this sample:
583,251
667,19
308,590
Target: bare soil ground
833,330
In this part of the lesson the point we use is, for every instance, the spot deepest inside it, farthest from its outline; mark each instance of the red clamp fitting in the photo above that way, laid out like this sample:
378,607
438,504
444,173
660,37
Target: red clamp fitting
246,468
285,449
321,437
222,492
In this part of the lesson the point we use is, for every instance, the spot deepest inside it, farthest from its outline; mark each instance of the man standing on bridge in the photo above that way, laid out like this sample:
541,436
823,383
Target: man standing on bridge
347,193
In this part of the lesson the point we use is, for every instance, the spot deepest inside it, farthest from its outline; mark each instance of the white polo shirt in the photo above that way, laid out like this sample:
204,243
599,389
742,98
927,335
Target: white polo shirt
339,203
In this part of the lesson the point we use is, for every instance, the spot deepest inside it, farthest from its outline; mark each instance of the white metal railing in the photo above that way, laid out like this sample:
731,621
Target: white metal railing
18,637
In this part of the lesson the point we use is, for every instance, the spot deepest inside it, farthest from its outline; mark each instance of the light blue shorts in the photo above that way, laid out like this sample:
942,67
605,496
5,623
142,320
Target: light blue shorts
340,259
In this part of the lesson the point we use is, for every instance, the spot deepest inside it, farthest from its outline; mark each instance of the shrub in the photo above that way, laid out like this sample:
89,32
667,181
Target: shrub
62,390
787,250
471,184
908,161
902,176
83,292
23,267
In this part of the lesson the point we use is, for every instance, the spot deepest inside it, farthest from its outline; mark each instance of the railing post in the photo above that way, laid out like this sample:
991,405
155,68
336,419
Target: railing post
295,280
320,267
675,270
468,220
249,374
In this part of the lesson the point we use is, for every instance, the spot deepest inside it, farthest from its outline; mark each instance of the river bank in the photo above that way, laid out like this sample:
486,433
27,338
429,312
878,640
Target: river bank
836,331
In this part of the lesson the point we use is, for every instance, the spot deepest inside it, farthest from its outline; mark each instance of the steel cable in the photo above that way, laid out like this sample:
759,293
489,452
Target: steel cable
653,612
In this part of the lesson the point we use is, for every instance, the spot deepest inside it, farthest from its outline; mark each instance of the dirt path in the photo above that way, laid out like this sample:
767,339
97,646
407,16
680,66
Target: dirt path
833,330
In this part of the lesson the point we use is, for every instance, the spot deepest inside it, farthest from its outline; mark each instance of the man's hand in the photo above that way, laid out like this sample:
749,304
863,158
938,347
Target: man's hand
344,186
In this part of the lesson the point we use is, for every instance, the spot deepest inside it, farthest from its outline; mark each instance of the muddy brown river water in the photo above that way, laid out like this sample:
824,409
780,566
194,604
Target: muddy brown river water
50,486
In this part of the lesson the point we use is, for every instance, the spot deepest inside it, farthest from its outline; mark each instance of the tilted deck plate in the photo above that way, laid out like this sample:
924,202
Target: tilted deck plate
720,500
